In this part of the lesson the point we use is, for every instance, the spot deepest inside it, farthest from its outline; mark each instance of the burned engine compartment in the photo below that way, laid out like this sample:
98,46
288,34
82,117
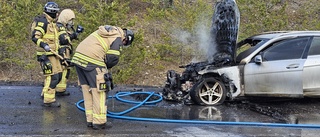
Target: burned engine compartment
178,86
223,37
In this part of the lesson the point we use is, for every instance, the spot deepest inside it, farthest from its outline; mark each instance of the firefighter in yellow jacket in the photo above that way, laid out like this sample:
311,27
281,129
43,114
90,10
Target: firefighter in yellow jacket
93,57
45,36
66,34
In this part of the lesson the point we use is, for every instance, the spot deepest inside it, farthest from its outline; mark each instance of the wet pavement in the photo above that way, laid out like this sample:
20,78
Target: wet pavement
22,114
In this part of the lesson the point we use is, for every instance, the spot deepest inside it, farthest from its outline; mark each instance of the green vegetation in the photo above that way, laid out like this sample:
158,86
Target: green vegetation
166,33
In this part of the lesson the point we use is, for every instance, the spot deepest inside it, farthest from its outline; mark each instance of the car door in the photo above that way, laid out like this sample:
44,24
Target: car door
311,71
279,73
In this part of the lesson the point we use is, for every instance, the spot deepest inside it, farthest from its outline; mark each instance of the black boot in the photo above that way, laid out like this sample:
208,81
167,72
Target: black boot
53,104
65,93
89,124
98,126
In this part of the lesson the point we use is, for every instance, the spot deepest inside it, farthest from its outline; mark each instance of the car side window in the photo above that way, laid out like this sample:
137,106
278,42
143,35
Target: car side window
286,49
315,46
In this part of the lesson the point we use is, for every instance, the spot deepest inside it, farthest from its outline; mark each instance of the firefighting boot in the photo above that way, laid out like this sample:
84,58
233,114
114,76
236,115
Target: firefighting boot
102,126
89,124
65,93
53,104
98,126
49,98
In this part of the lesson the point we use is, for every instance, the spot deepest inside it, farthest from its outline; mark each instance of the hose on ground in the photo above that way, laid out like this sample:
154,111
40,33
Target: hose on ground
119,115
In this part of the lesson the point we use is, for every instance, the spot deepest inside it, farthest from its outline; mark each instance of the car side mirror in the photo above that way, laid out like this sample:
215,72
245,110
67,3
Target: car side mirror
258,59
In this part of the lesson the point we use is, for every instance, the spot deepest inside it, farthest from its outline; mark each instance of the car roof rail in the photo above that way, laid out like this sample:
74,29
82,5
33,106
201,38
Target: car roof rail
273,32
290,32
270,32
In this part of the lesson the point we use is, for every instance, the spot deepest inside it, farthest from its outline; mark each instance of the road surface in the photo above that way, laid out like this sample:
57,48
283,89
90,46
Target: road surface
23,115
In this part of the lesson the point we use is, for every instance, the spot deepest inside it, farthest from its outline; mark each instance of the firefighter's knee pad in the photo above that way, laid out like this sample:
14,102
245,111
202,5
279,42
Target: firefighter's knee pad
68,74
55,79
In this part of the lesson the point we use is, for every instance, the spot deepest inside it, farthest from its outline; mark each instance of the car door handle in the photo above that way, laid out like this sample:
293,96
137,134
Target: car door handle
292,66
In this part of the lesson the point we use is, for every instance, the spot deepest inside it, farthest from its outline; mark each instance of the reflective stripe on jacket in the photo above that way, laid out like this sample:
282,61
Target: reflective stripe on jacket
46,31
94,48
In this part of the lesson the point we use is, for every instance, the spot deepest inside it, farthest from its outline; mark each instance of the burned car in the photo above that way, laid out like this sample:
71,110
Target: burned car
271,64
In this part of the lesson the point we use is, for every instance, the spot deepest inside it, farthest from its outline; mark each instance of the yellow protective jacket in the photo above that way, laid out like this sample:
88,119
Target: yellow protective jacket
93,50
65,48
44,30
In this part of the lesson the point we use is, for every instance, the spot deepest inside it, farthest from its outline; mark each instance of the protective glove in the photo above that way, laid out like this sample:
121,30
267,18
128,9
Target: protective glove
79,29
75,34
63,39
67,63
46,47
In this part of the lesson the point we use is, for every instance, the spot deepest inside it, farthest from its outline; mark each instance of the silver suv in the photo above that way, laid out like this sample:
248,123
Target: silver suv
273,64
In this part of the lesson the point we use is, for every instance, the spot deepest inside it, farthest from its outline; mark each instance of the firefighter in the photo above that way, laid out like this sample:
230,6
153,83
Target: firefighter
93,57
67,33
45,36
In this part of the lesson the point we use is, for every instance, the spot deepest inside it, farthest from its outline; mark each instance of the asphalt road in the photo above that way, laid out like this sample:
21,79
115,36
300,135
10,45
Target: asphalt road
23,115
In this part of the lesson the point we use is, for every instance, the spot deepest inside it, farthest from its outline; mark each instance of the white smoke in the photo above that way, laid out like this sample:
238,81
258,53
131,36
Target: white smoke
183,36
206,45
199,42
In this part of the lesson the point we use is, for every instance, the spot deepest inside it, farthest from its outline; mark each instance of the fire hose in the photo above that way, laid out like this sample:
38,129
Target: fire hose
119,115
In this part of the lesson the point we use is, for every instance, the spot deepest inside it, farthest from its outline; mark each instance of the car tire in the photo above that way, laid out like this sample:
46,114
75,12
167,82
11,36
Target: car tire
208,92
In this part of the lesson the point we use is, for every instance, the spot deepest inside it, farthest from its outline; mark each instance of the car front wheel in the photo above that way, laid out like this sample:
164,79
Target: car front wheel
209,91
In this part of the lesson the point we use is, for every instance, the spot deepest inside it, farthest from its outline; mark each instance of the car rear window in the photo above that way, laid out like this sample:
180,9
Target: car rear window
315,46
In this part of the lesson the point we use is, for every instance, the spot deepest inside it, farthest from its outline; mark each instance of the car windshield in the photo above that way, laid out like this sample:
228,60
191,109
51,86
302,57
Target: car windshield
247,46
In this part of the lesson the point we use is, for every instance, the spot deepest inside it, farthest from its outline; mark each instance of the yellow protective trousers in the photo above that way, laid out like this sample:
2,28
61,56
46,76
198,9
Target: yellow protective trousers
48,90
94,103
94,94
51,80
48,93
62,85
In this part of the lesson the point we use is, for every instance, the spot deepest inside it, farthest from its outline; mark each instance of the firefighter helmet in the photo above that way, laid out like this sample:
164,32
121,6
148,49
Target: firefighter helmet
129,36
51,7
